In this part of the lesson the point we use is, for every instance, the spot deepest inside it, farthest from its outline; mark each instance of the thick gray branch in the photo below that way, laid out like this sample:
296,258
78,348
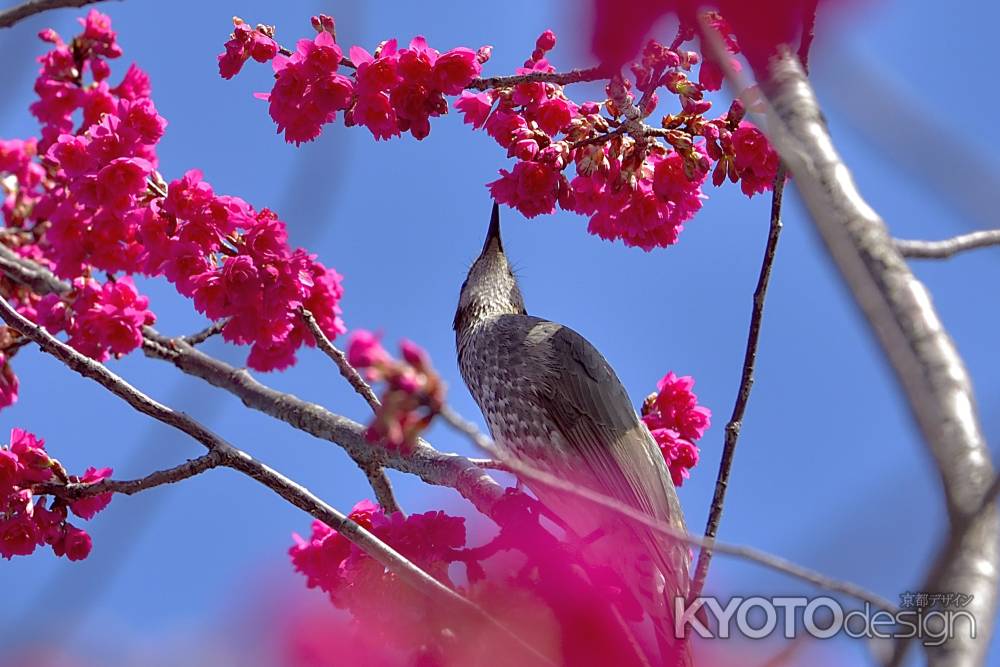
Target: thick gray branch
923,356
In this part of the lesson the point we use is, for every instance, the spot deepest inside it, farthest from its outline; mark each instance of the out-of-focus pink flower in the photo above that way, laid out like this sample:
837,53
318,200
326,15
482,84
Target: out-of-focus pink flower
365,350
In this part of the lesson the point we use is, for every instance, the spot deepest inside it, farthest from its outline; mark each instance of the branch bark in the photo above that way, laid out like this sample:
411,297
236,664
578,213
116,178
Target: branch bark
746,384
377,477
9,17
948,247
922,355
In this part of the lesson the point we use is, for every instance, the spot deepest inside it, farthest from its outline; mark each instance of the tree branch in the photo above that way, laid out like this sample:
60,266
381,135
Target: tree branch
349,372
9,17
923,356
948,247
377,476
559,78
212,329
190,468
239,460
746,384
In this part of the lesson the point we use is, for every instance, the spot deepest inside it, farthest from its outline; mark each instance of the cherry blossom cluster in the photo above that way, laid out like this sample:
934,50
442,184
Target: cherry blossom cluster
27,521
392,91
87,198
414,392
677,422
631,185
357,582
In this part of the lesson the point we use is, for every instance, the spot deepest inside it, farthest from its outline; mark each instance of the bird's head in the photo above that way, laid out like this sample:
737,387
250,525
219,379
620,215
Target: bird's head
490,289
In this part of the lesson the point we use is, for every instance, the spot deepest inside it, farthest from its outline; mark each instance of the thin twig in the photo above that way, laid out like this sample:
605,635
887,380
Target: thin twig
376,475
128,487
9,17
770,561
746,384
243,462
212,329
559,78
349,372
948,247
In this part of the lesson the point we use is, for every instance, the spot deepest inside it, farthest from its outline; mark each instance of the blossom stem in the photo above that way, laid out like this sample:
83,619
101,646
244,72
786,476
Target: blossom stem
735,423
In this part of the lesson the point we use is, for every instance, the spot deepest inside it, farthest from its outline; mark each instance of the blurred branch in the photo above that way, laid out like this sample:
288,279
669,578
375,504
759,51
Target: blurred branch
9,17
480,440
746,384
900,313
948,247
239,460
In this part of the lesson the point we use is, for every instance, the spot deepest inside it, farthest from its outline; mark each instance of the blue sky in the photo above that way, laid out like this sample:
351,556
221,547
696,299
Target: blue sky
830,470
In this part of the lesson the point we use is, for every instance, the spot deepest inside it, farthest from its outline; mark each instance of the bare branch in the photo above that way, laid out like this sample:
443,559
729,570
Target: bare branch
128,487
746,384
769,561
377,476
430,465
349,372
923,356
560,78
243,462
212,329
948,247
9,17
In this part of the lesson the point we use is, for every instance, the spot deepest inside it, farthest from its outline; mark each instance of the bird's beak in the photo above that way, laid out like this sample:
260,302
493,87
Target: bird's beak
493,241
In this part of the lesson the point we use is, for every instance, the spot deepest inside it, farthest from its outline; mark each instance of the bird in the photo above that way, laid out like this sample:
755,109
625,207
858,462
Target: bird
552,401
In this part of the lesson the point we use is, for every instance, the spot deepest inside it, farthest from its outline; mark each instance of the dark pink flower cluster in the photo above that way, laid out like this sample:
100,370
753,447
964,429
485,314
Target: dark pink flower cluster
677,422
101,320
632,186
237,264
414,392
25,520
243,44
391,91
361,584
20,188
101,206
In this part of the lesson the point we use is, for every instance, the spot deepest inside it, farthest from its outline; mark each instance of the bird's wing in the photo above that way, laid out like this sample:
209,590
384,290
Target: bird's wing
591,409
